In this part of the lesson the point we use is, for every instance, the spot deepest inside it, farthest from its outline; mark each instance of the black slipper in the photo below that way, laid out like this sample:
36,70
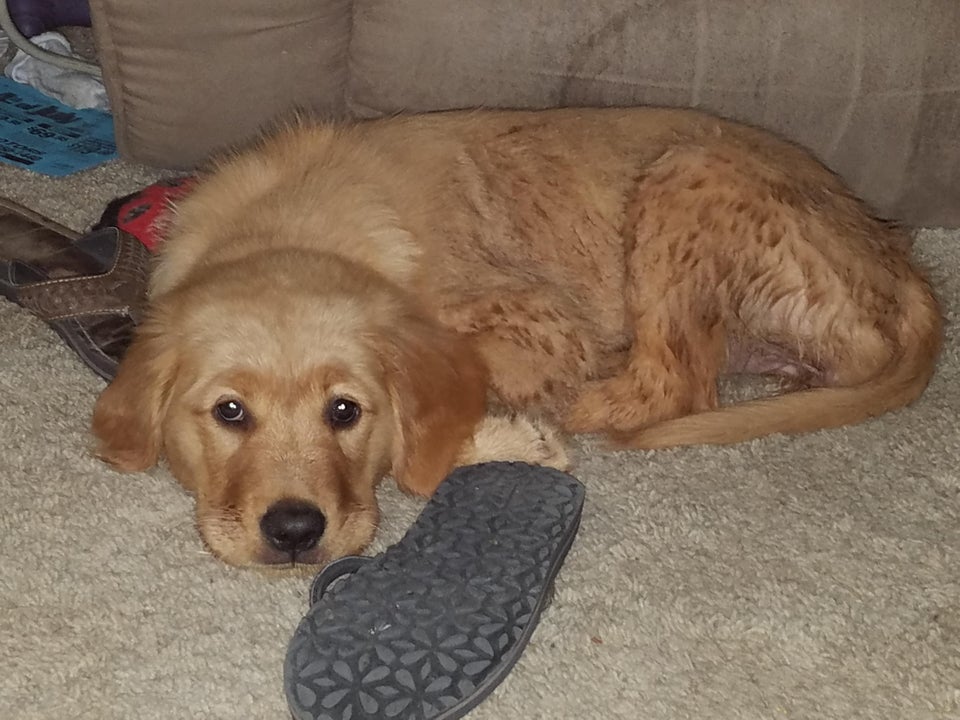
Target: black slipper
428,628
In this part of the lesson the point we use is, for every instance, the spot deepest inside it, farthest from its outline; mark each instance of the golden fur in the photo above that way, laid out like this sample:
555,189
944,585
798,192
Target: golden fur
598,269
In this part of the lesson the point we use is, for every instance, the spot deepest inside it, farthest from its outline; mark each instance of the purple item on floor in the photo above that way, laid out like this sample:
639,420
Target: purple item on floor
33,17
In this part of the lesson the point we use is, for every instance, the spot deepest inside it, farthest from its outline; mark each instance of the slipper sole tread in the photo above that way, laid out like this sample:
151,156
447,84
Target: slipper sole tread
431,626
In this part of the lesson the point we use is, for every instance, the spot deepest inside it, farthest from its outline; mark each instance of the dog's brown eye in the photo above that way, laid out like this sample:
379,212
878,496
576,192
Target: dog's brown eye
343,413
230,411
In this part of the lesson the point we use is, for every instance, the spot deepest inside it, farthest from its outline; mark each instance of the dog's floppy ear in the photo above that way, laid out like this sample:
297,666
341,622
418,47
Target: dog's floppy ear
438,387
129,412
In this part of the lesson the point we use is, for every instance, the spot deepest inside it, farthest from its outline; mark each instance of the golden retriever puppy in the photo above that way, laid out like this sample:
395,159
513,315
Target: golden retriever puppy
340,303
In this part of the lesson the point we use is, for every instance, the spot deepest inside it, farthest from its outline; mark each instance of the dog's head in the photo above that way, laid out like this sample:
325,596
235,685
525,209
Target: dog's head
281,388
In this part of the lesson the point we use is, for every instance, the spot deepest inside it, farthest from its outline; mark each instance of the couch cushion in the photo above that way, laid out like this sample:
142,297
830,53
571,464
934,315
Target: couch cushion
186,77
873,92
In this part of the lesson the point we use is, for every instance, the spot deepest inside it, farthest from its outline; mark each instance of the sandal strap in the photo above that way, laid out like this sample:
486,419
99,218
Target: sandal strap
119,290
334,571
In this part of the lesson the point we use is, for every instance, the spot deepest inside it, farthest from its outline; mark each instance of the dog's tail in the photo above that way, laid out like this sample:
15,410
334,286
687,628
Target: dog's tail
899,382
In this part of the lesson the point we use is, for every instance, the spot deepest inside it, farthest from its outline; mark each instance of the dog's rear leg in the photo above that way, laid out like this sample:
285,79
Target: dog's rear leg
677,352
676,310
730,253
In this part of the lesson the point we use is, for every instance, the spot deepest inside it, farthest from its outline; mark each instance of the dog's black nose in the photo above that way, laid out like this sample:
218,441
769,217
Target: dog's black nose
293,526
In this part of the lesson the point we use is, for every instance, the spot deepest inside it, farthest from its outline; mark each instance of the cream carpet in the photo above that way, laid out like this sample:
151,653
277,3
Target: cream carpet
810,577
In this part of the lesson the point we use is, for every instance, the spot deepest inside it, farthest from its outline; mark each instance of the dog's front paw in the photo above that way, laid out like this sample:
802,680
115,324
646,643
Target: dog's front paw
517,438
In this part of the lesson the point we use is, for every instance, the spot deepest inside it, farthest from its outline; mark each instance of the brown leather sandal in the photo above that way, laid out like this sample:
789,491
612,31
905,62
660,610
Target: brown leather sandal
91,292
28,235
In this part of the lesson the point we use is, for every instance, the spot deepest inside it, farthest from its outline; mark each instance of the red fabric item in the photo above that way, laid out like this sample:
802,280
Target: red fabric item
138,212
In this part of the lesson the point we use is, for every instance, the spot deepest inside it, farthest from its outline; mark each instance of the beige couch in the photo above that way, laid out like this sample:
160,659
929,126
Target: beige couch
873,87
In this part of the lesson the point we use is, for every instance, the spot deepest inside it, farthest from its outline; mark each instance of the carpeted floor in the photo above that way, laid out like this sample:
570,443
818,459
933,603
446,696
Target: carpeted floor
806,577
